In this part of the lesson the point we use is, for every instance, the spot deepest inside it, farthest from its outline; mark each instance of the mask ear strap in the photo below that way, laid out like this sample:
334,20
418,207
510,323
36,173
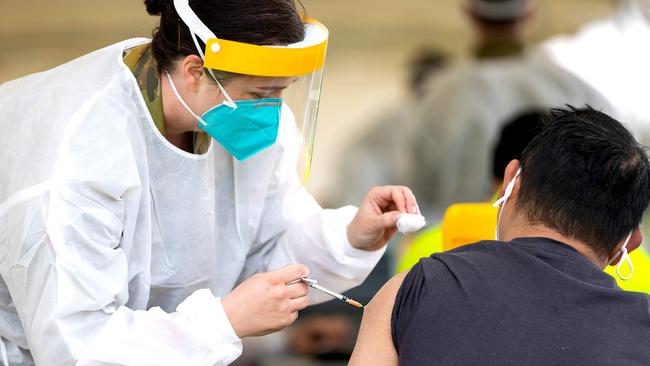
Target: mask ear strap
509,188
503,200
625,257
229,102
180,99
192,21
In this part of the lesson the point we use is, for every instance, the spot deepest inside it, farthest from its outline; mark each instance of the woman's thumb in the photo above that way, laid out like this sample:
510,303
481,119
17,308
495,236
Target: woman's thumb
388,220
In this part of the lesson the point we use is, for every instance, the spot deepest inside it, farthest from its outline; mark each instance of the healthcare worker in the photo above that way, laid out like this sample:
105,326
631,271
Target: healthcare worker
457,123
144,185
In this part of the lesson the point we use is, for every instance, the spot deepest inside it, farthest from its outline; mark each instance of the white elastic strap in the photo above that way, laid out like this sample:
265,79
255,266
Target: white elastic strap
180,99
3,351
503,200
508,191
229,102
625,257
193,22
196,27
198,46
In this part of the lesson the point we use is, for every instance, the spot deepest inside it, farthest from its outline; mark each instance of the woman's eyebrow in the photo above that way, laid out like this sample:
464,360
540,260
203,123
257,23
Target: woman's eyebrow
271,87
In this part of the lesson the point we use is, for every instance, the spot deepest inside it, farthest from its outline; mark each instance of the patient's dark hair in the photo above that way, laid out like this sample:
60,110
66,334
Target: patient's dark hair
586,177
260,22
515,136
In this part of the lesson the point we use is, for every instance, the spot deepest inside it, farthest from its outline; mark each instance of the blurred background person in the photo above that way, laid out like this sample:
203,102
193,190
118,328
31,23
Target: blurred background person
513,139
381,154
613,56
460,116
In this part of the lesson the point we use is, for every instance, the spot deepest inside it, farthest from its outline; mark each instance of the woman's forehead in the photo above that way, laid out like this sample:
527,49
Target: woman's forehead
265,82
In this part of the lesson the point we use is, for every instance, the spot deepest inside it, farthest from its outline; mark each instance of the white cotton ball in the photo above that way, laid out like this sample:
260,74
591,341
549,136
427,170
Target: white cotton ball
410,223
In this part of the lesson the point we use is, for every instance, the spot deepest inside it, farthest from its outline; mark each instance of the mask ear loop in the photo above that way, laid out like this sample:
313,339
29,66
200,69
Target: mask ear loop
180,99
229,102
503,200
625,257
195,26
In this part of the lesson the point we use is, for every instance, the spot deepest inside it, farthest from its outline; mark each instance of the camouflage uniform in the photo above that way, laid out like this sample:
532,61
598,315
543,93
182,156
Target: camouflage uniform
141,63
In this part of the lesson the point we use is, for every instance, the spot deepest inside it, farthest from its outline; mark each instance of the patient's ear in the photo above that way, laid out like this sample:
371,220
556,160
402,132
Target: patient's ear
635,242
508,175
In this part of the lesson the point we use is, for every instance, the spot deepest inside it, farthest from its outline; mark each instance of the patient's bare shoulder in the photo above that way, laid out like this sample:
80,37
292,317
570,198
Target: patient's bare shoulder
374,344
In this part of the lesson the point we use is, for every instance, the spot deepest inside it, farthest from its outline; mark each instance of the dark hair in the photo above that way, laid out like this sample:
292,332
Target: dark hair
586,177
515,136
260,22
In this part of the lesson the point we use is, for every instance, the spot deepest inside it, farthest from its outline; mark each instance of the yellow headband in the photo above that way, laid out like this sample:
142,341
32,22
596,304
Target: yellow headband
293,60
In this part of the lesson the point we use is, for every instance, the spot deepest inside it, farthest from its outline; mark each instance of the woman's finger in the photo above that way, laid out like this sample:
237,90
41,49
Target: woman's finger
297,290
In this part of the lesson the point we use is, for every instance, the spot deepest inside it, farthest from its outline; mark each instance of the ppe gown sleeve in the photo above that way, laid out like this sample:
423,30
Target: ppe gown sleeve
295,229
71,282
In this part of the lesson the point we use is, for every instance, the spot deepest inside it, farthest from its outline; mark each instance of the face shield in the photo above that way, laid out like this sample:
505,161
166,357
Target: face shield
298,66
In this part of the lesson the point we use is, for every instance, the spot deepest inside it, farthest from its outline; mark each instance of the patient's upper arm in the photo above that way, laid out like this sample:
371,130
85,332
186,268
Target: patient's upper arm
375,343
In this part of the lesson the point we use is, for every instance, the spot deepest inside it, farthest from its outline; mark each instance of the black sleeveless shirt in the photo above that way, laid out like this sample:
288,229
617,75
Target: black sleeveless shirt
532,301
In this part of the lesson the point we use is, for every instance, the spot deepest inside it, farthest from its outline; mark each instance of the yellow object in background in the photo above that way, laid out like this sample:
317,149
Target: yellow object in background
422,246
459,227
467,223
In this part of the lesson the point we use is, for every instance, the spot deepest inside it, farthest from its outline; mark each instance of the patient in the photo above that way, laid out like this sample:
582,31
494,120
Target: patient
538,296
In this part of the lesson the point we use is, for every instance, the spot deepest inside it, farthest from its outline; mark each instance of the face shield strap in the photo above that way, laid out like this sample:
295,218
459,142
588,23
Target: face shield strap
228,102
193,22
196,27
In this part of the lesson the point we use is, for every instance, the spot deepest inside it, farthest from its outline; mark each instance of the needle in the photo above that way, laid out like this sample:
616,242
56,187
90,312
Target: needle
314,284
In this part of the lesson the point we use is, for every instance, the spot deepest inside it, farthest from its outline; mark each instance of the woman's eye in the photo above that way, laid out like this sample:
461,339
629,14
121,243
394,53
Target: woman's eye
258,96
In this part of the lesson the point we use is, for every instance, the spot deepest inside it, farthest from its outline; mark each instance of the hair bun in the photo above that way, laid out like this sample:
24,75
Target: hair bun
154,7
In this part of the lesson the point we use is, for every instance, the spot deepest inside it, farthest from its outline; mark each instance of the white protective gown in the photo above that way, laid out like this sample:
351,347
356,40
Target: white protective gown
456,125
115,246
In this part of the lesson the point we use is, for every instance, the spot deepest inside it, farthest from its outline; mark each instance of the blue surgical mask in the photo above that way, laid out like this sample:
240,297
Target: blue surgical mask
243,128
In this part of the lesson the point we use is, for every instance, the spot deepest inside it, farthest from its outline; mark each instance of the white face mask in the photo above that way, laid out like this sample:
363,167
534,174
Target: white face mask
625,257
503,200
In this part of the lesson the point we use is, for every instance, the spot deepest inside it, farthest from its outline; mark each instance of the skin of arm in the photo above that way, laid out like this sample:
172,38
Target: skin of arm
375,344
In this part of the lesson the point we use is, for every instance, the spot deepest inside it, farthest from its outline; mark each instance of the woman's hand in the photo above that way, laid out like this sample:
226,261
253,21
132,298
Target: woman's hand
264,303
375,222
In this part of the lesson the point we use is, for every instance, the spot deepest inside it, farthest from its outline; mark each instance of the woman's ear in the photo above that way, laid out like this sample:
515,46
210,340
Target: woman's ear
192,71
